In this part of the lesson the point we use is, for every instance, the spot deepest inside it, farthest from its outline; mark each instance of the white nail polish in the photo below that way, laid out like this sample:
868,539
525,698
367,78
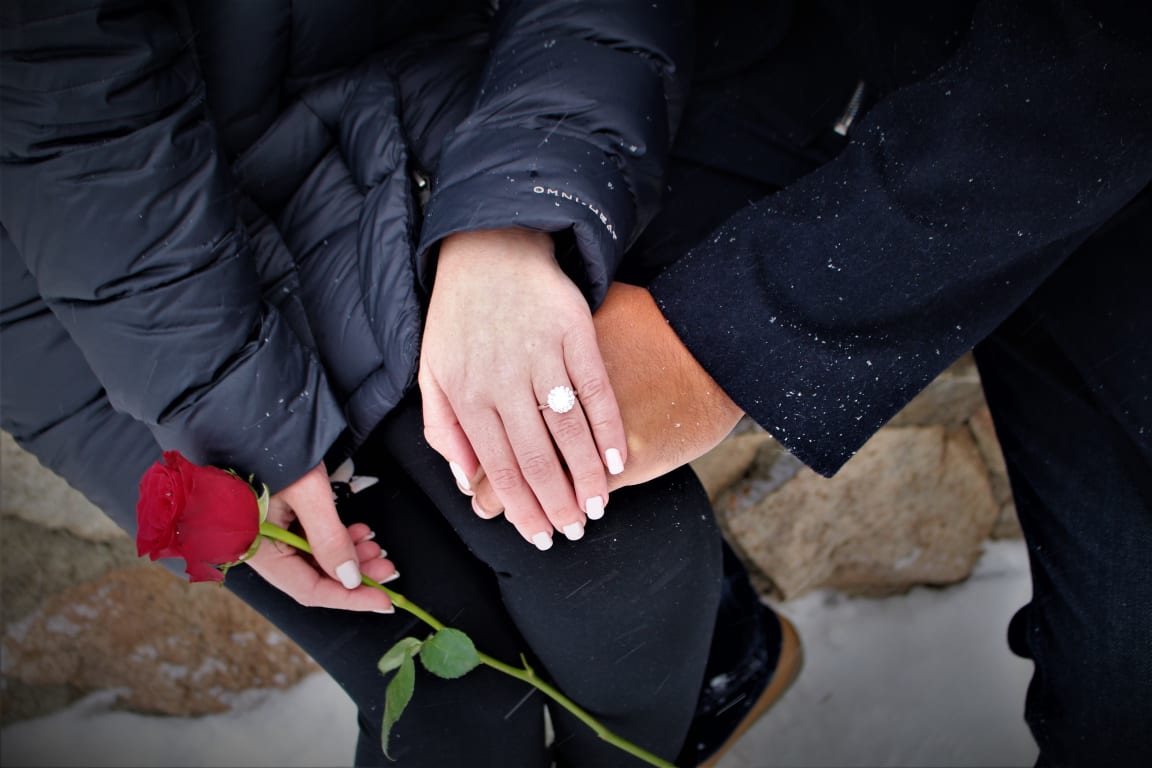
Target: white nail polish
383,553
479,510
542,541
395,575
615,463
362,483
349,574
574,531
461,478
371,535
383,610
594,507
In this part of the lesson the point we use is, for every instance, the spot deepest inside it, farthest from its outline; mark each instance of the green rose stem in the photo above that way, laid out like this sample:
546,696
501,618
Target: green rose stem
525,674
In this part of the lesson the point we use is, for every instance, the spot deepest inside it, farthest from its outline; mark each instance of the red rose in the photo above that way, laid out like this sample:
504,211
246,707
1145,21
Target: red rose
205,515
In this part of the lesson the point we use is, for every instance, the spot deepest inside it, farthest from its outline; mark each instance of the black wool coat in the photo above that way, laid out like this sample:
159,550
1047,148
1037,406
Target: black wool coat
997,140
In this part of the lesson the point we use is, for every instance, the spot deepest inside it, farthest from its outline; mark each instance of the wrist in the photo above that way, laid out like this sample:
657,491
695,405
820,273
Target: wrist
637,343
509,242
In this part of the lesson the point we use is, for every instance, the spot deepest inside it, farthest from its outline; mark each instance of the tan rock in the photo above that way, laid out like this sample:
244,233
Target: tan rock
170,647
33,493
912,507
36,562
950,398
728,462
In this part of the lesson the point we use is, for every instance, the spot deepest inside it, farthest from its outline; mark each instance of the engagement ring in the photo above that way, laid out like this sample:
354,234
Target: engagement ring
560,400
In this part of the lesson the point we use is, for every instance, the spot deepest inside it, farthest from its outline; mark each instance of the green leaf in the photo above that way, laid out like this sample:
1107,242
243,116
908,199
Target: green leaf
405,648
262,499
396,697
449,654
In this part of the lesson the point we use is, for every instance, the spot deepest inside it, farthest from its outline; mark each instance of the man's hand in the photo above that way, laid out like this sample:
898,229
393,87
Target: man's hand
331,577
673,410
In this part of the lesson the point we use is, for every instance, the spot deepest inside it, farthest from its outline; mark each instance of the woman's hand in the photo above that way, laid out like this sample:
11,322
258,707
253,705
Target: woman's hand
673,410
331,577
505,326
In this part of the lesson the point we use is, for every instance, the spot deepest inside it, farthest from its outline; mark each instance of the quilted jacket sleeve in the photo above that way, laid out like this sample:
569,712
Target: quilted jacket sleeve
824,309
119,203
570,129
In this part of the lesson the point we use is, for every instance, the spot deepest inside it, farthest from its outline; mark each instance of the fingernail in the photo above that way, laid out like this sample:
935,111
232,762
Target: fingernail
594,507
461,478
349,574
574,531
371,535
615,463
395,575
362,483
383,553
479,510
383,610
542,541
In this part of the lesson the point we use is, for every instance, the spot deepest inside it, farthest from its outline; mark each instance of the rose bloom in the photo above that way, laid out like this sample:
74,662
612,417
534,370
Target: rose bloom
205,515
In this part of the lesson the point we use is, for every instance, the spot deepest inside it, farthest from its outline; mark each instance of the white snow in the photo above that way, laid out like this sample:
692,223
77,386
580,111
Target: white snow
923,679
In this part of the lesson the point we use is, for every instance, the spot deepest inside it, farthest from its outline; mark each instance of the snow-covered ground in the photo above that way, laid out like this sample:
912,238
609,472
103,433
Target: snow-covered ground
924,679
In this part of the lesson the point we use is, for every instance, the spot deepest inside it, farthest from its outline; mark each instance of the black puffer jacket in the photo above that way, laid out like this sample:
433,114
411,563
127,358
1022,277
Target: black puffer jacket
214,247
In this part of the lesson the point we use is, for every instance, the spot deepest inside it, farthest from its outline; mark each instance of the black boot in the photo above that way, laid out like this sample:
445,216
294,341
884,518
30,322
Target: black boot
755,656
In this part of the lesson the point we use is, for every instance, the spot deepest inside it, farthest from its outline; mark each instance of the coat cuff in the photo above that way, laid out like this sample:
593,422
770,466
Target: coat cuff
547,183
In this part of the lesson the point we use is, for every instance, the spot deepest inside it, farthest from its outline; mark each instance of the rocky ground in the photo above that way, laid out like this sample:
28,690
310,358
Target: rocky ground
81,613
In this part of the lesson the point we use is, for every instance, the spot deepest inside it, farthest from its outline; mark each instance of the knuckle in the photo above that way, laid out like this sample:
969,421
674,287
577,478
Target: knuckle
537,466
593,478
562,513
595,388
505,479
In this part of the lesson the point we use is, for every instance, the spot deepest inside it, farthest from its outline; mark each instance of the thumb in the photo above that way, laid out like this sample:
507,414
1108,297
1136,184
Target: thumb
310,498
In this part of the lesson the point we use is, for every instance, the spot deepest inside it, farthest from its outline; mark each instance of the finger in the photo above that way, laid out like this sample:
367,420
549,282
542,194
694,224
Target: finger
486,503
294,575
366,551
379,569
590,378
361,532
503,475
444,434
374,562
540,466
332,547
572,436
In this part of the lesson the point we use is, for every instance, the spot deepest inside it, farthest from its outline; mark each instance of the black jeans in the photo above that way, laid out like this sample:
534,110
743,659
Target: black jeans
622,620
1069,380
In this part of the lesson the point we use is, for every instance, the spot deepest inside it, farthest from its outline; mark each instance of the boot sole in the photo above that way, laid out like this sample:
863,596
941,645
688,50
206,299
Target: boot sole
787,670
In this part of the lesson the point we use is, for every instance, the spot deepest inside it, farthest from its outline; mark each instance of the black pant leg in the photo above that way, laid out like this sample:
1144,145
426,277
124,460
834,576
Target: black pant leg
1069,382
478,720
621,620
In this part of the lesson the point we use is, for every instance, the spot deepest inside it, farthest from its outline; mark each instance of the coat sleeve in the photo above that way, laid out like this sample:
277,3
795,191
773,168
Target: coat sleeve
570,129
120,204
54,407
825,308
